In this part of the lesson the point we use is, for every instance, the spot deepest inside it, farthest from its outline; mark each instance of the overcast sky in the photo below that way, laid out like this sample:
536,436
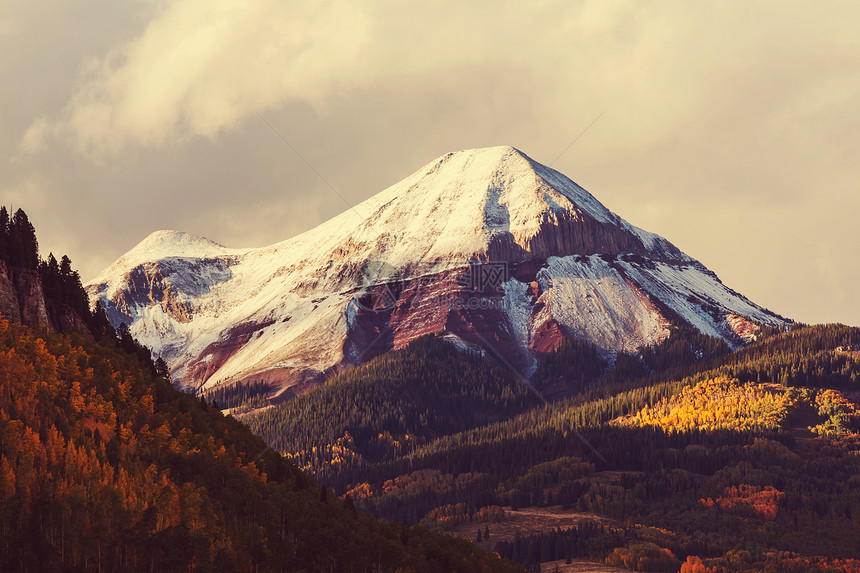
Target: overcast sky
730,128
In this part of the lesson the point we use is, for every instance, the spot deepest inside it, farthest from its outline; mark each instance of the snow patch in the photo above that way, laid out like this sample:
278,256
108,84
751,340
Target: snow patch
463,345
595,302
518,308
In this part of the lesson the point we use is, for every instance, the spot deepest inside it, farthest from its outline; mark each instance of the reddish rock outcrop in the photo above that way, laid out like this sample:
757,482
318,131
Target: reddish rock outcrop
743,327
547,337
446,301
217,353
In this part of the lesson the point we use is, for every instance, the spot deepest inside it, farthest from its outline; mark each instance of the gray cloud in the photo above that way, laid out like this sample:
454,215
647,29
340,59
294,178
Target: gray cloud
729,127
199,67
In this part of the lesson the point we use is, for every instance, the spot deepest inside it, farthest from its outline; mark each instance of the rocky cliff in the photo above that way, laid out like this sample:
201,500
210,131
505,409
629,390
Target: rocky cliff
23,300
10,307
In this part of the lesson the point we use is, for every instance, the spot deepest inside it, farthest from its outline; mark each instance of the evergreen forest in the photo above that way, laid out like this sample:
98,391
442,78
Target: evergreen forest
686,456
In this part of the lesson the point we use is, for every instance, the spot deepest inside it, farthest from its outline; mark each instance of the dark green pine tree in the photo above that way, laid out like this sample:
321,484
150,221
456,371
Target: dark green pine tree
23,245
62,284
65,266
4,234
74,293
49,271
128,343
161,369
126,340
100,326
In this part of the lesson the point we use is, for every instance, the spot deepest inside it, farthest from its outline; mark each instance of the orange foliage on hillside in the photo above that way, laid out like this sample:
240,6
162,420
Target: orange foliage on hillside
763,500
105,467
643,556
69,423
776,561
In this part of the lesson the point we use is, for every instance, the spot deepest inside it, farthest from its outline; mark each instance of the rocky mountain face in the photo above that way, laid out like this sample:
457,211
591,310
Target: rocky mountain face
23,300
497,252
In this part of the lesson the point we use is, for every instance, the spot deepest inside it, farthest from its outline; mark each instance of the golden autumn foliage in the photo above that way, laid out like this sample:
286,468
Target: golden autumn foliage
643,556
361,491
450,515
717,404
838,413
67,434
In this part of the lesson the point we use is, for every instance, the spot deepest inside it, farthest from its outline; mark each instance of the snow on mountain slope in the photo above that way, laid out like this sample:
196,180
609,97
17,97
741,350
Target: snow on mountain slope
485,244
595,301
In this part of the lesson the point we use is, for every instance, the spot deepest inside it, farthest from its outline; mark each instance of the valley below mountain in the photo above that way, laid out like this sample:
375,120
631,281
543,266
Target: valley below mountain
740,460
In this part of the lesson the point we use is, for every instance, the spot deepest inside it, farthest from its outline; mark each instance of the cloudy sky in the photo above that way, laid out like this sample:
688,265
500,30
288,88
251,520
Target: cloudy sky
732,128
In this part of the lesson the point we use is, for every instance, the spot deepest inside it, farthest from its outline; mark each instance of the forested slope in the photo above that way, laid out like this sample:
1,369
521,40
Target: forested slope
730,461
385,408
104,466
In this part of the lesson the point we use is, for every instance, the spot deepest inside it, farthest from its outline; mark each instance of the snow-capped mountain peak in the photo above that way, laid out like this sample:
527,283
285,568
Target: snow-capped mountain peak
487,245
166,243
